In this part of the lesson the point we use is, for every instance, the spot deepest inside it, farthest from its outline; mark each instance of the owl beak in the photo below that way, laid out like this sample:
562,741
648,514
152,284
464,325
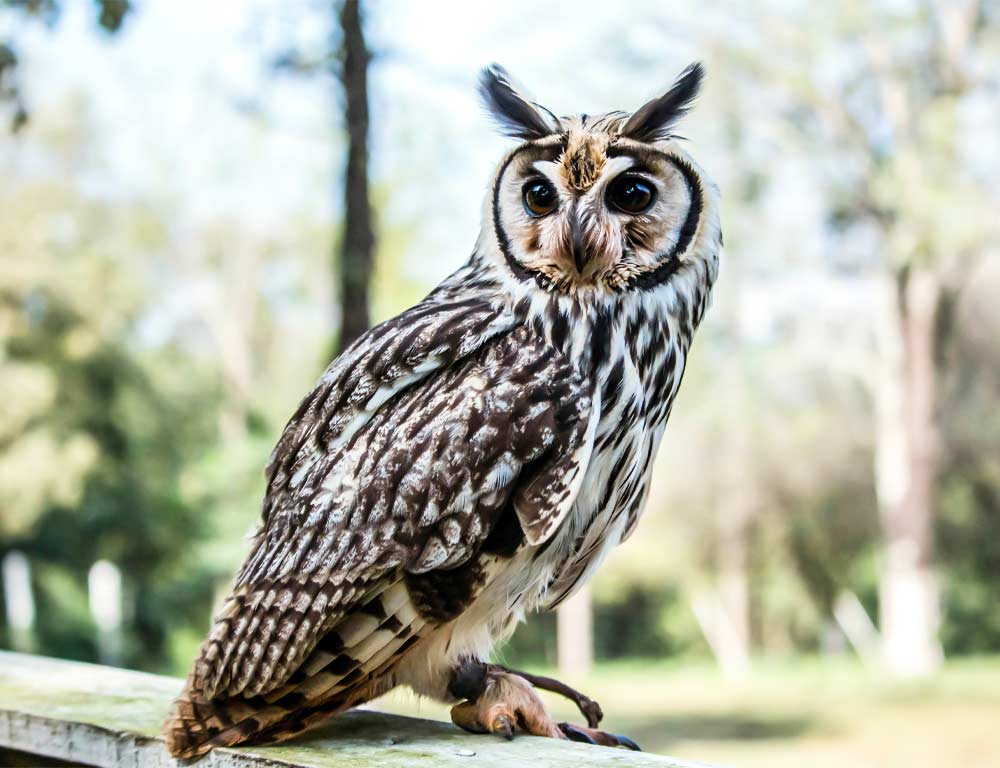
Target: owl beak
578,243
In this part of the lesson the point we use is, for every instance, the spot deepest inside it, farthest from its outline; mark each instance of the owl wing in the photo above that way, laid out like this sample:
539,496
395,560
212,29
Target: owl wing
403,457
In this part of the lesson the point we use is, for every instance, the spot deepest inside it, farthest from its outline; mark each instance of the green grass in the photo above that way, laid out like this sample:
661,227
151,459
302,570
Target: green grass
805,713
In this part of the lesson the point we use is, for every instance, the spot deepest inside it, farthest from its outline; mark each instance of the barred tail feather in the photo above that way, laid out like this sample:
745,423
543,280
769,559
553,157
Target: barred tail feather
194,722
350,666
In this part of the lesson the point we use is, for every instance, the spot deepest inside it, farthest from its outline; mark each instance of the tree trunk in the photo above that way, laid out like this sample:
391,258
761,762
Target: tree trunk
104,590
722,631
734,582
737,497
359,240
905,472
723,613
575,635
19,600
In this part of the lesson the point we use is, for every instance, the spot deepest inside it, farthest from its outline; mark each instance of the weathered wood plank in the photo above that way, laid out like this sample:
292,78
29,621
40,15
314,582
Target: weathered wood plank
111,717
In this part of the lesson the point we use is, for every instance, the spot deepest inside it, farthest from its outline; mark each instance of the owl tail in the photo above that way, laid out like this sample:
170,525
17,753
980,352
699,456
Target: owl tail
197,725
332,679
194,722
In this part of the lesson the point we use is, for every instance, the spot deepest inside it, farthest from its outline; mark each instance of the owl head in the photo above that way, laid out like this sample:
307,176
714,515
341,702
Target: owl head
605,202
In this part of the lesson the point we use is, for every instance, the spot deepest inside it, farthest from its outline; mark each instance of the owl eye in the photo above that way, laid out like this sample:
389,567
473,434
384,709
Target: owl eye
540,198
631,194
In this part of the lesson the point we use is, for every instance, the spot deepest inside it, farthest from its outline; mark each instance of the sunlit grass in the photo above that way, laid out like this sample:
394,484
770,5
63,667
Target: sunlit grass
805,712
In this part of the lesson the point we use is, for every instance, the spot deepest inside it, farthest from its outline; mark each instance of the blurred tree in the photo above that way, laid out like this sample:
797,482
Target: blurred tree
98,433
969,498
347,58
575,635
110,16
891,121
358,243
779,522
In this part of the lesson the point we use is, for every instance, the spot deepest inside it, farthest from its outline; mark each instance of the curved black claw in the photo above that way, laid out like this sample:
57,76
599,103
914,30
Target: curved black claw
573,733
504,726
625,741
594,736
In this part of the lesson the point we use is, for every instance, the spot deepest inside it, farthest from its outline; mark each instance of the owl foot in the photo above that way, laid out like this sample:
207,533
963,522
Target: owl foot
504,704
589,708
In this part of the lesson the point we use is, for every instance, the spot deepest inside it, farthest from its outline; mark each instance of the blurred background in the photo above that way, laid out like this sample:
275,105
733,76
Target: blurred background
189,230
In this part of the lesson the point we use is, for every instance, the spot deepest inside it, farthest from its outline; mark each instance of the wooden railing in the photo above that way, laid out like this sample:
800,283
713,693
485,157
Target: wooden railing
72,713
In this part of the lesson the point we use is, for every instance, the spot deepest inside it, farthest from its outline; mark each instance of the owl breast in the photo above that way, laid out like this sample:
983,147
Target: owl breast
637,373
634,351
637,383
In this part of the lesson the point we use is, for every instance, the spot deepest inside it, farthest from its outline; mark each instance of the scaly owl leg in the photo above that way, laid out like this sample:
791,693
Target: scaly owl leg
589,708
504,702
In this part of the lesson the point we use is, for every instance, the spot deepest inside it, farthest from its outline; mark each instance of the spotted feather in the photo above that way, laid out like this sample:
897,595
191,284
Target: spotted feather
417,487
476,457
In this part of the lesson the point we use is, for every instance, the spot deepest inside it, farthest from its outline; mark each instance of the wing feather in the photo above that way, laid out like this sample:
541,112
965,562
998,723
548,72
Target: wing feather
402,457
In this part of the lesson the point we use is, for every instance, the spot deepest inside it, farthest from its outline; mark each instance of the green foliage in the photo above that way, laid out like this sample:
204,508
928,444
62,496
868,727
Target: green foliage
970,506
93,444
645,622
533,643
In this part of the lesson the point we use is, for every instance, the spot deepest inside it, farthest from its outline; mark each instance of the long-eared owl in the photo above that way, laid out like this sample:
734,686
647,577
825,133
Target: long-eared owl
474,458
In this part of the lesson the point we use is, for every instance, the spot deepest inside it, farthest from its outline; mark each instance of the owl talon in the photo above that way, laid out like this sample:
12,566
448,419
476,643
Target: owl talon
576,734
503,725
597,737
625,741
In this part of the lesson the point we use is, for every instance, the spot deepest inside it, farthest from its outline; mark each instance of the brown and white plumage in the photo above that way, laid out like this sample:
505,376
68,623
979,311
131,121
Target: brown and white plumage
474,457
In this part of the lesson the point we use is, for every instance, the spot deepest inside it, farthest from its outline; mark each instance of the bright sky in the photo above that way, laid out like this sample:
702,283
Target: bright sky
193,117
190,117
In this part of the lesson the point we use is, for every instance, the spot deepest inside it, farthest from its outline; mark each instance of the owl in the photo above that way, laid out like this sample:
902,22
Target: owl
474,458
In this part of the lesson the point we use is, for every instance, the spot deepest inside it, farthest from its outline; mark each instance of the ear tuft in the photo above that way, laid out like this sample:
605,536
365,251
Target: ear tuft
516,116
654,120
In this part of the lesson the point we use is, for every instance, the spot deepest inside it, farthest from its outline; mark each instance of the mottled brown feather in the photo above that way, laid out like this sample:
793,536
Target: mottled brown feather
416,485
